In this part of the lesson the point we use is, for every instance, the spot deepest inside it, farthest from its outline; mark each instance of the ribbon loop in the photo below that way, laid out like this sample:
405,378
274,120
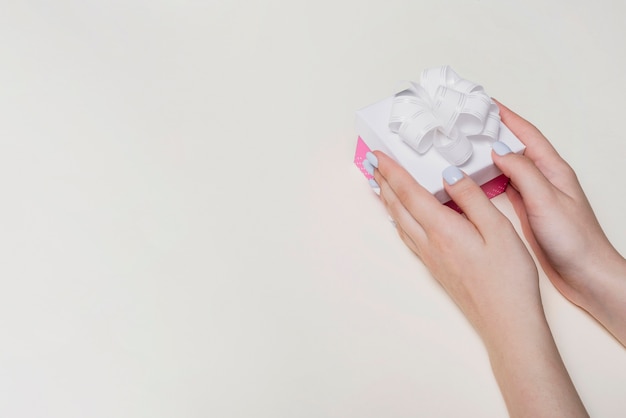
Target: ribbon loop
446,112
455,147
419,130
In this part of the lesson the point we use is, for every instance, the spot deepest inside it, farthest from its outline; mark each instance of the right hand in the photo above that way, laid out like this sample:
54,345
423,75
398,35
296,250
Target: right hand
558,221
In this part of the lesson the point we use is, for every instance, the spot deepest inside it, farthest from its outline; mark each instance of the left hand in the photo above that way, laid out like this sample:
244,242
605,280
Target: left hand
478,258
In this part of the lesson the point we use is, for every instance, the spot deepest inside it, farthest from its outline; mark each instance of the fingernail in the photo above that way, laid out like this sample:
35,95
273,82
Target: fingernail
372,159
501,148
374,186
452,174
368,167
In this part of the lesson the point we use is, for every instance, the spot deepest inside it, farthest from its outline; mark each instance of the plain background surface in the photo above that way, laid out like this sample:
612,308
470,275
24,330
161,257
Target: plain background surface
183,232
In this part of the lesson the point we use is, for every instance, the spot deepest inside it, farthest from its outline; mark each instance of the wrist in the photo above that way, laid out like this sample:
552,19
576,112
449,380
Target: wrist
603,270
530,372
586,274
604,295
513,330
513,317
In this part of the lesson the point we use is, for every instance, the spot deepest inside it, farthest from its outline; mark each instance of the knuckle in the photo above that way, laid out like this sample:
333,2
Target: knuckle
466,192
503,224
566,170
403,193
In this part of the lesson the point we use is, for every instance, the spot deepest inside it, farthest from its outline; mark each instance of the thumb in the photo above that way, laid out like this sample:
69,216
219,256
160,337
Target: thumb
532,185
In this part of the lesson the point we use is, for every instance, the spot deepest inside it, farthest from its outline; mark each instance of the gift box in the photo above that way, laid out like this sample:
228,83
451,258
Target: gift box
444,120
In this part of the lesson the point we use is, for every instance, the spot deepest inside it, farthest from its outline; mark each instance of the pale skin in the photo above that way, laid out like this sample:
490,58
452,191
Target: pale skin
486,269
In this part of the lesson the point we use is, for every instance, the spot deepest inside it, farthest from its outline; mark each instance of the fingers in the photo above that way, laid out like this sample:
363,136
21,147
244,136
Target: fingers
533,186
471,199
540,153
538,148
520,210
408,228
417,212
418,202
409,241
518,204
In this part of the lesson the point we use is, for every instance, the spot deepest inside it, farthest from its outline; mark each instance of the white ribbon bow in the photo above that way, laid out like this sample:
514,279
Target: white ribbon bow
444,111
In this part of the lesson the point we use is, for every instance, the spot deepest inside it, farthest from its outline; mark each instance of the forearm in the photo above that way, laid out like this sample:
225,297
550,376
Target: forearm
531,375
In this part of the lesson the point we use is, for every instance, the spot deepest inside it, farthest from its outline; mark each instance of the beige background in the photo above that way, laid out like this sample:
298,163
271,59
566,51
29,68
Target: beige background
183,233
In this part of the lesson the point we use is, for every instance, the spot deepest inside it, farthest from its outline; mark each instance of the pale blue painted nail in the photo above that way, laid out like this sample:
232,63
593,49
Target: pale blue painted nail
372,159
368,167
374,184
452,174
501,148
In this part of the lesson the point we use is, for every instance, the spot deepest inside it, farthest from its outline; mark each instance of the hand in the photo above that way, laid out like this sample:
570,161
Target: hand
561,228
479,259
481,262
